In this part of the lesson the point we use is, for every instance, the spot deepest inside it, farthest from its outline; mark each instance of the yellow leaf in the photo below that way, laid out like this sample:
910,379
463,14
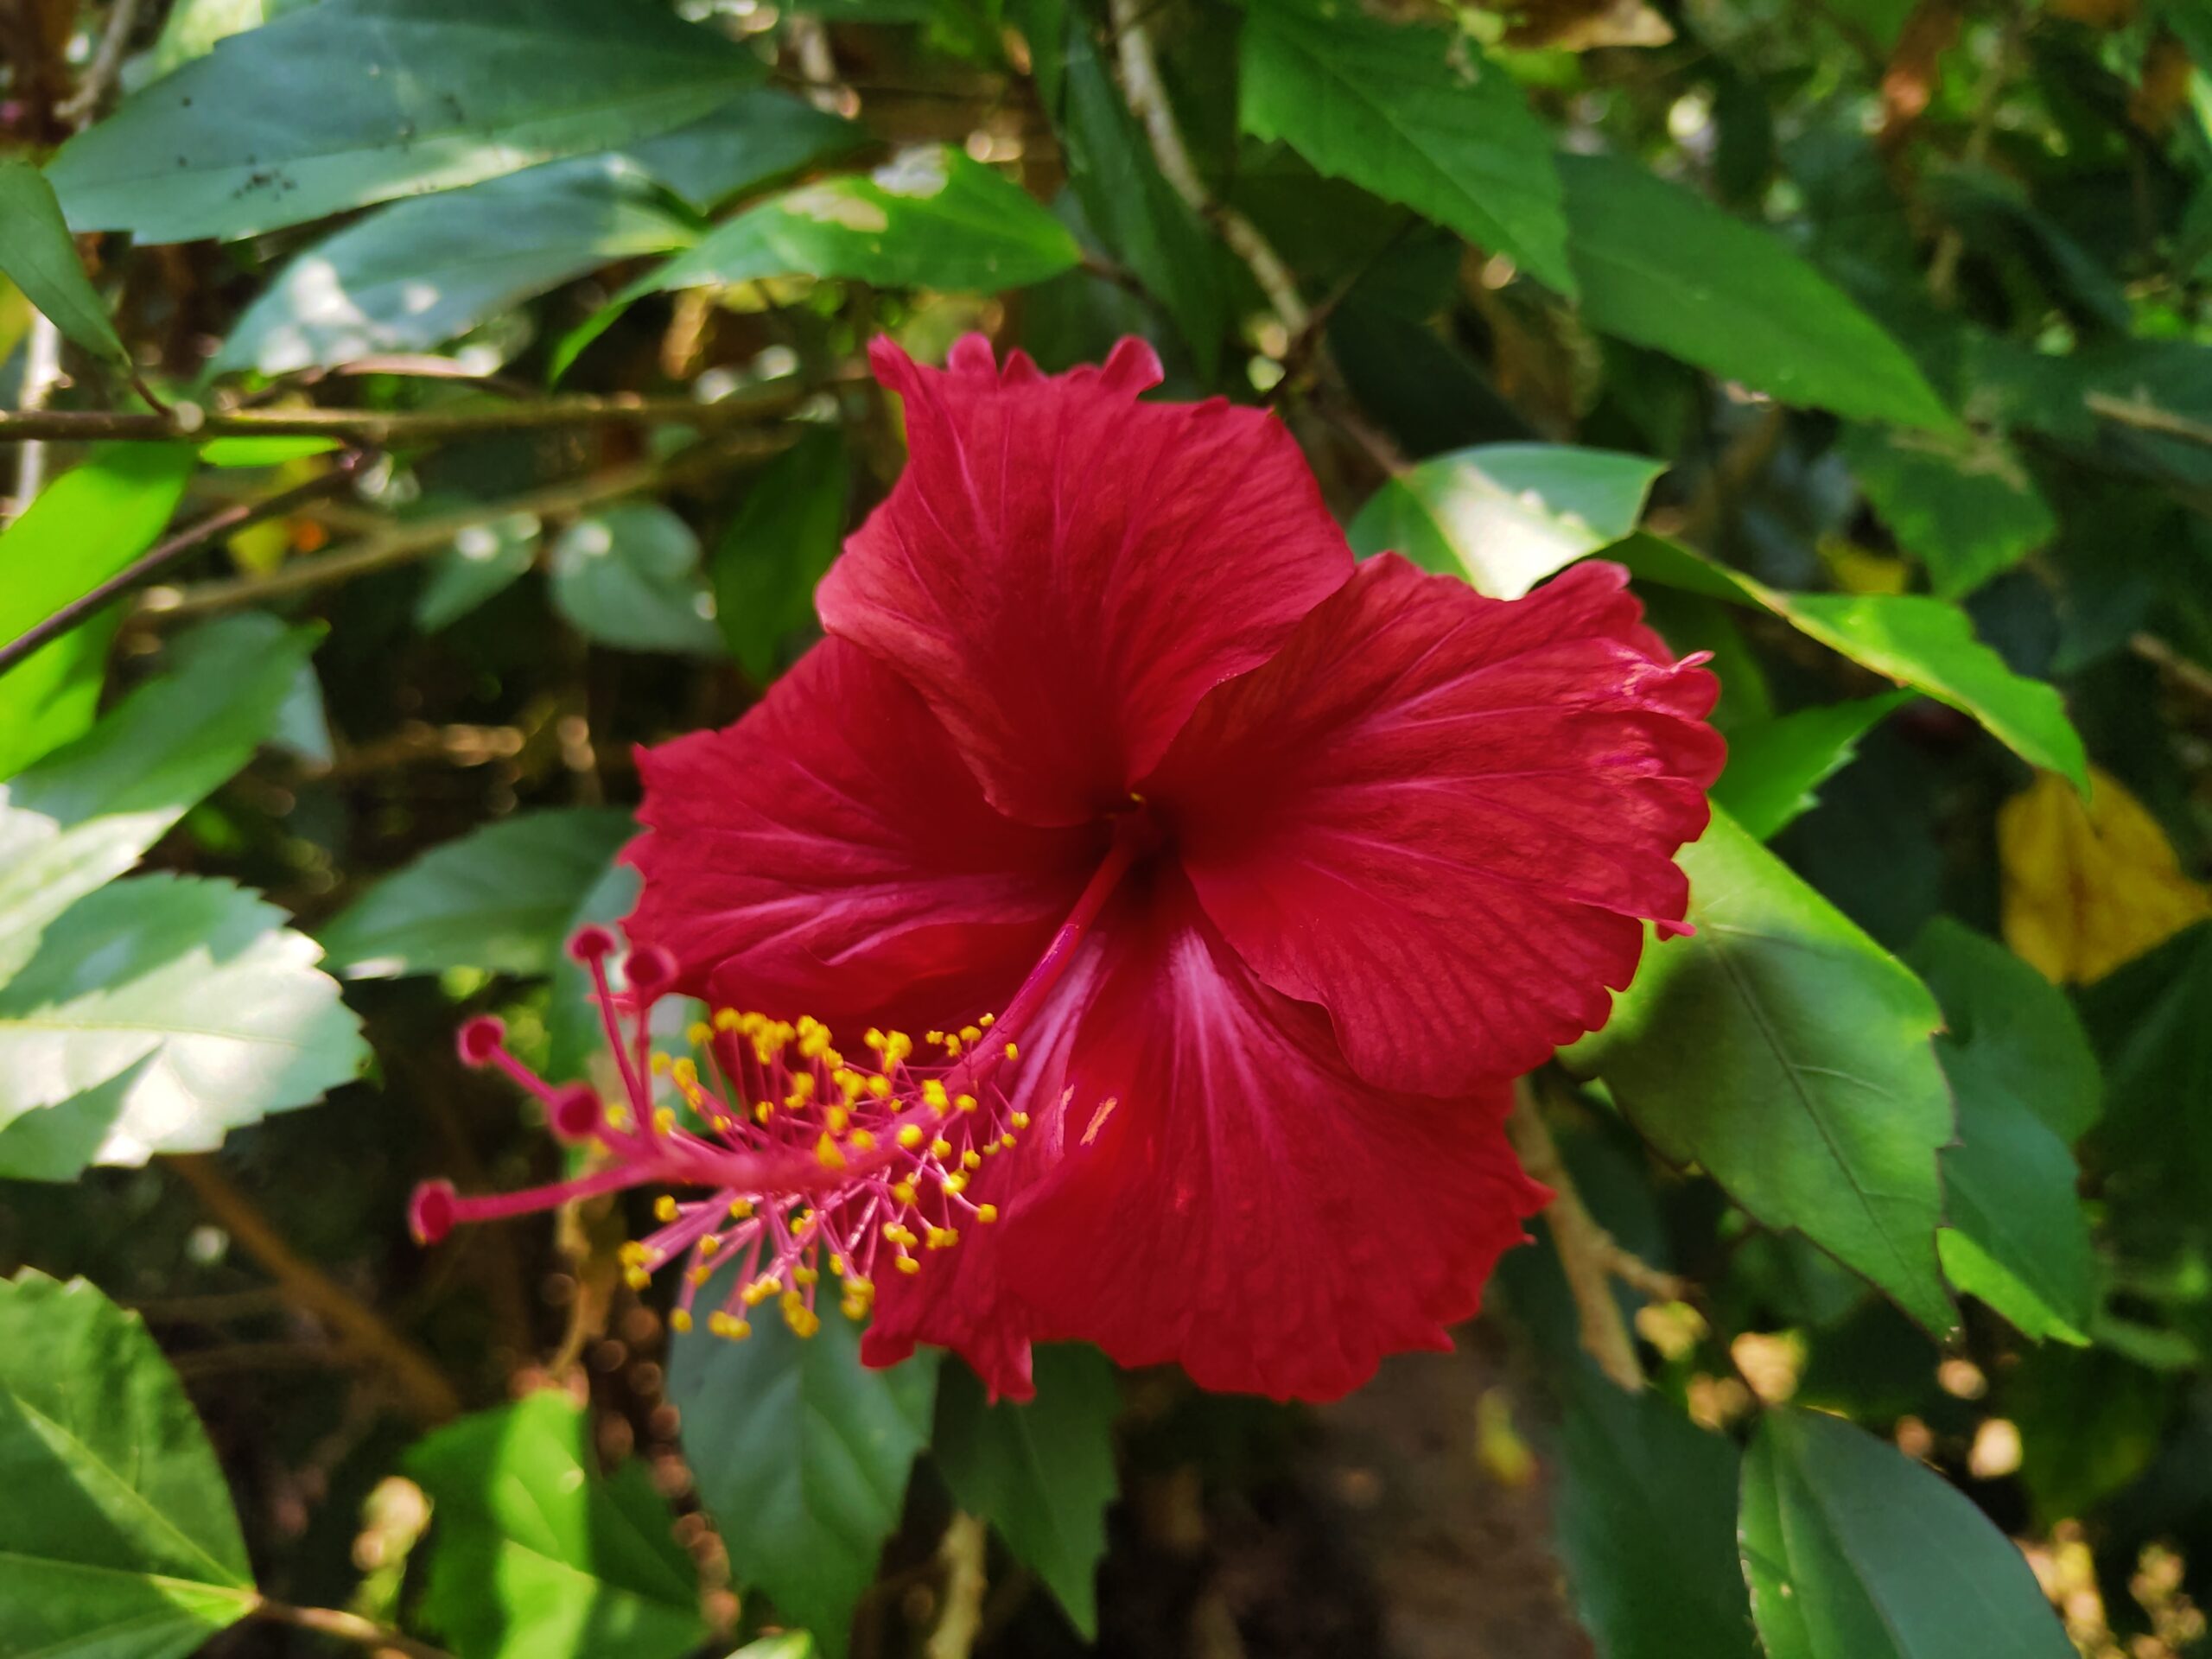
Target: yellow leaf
2088,886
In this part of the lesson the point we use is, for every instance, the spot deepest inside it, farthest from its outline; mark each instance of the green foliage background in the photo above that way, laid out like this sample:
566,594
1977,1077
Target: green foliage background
461,394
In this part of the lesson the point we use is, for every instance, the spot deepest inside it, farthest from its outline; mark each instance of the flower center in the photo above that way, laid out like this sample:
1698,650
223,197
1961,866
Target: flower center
794,1156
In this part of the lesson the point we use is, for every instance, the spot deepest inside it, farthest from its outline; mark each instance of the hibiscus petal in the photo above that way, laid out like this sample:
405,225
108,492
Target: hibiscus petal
1230,1197
829,853
1446,817
1063,571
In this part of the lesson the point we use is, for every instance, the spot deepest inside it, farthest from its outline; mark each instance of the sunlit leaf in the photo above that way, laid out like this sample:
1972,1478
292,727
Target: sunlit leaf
1965,507
1775,765
39,255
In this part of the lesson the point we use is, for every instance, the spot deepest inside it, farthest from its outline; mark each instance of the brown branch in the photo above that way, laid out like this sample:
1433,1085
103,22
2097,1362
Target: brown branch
386,429
2146,417
347,1627
422,1385
1587,1253
960,1606
186,541
1147,100
415,538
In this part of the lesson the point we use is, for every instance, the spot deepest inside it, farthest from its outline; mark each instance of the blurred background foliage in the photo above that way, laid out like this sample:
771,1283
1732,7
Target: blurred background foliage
456,396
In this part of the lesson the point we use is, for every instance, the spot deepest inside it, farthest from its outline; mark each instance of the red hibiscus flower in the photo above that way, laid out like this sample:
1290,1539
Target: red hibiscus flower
1235,880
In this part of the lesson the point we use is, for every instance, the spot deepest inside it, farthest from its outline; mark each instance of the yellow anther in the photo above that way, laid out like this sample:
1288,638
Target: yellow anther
1013,1053
632,1255
953,1048
971,1159
618,1117
987,1020
940,1147
934,1038
967,1102
700,1275
727,1020
728,1326
685,1071
909,1264
971,1035
910,1135
853,1308
658,1064
860,1140
934,1095
956,1184
708,1245
880,1088
758,1291
664,1208
860,1287
826,1152
740,1209
837,1118
837,1264
806,1275
1020,1120
987,1213
802,1091
680,1320
902,1193
762,1111
636,1278
1007,1140
698,1034
897,1045
665,1120
942,1238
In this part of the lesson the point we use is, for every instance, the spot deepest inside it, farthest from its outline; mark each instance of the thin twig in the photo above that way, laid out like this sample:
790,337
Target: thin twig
2147,417
100,76
960,1608
42,373
186,541
417,538
386,429
420,1383
2193,675
1147,100
347,1627
1587,1253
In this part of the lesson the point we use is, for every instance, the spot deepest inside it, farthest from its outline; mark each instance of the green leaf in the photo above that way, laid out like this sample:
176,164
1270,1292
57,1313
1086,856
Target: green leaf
263,452
2027,1087
783,538
484,560
497,899
1854,1551
759,136
2156,1042
190,999
1043,1472
931,218
1134,209
1790,1056
1775,765
119,1535
39,255
85,526
801,1455
1964,506
349,102
629,575
1926,643
536,1556
1646,1520
1506,515
80,816
1416,116
1660,265
415,274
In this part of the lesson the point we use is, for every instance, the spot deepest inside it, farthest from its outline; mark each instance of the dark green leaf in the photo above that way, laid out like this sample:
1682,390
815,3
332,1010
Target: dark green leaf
1415,115
783,538
84,527
349,102
484,560
1135,211
118,1535
415,274
932,218
1964,506
629,575
190,999
2154,1021
1647,1509
37,253
537,1557
1775,765
1926,644
1043,1472
801,1455
1790,1056
1506,515
499,899
1855,1552
758,137
1660,265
